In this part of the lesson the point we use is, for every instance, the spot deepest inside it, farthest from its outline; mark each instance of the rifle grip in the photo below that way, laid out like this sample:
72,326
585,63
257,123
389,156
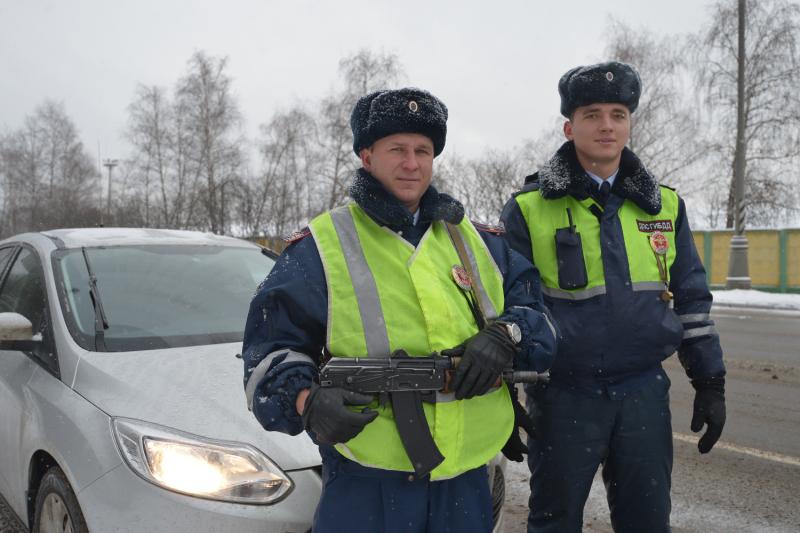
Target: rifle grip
455,361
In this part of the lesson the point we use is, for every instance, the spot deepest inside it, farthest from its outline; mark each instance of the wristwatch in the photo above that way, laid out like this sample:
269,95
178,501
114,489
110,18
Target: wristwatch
514,333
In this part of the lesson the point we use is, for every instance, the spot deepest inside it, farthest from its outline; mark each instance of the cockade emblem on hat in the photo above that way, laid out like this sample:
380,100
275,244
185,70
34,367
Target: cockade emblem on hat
412,105
610,76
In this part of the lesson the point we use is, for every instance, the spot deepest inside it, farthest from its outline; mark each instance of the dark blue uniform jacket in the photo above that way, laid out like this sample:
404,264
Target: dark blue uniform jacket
614,342
289,310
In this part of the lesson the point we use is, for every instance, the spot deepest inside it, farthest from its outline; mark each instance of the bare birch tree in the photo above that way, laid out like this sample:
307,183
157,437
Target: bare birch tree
49,178
161,159
307,158
772,104
188,154
483,184
486,182
362,73
665,130
212,119
287,193
149,125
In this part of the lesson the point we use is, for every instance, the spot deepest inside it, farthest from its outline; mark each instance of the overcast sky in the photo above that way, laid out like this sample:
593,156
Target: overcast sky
494,63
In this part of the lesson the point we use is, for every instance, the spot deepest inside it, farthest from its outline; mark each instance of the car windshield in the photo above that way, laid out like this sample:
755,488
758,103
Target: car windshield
160,296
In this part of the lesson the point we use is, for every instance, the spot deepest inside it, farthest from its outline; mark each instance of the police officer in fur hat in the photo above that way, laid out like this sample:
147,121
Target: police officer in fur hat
622,277
380,274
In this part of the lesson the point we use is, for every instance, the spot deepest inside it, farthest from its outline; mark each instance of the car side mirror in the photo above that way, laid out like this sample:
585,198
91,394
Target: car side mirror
16,333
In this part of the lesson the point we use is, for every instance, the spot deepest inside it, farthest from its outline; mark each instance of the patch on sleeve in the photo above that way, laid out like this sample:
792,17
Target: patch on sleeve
649,226
489,228
297,235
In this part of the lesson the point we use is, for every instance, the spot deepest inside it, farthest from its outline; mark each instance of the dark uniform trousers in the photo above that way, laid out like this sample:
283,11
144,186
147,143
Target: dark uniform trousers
629,433
356,499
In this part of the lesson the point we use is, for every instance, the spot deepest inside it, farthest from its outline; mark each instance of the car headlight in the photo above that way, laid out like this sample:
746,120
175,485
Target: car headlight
193,465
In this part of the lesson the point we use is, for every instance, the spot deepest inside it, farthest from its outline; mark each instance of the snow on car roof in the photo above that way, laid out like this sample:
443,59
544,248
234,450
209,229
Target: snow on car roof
89,237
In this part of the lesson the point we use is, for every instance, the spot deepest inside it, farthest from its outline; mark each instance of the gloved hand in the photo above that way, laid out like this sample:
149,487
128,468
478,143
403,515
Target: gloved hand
515,447
709,408
483,358
325,413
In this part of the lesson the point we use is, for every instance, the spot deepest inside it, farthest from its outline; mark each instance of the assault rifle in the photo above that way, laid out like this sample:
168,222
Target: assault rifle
408,382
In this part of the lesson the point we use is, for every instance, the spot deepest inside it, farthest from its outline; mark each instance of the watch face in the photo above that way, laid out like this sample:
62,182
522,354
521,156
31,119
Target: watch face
513,331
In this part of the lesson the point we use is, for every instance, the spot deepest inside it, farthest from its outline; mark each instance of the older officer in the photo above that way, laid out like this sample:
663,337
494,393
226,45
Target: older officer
387,272
622,278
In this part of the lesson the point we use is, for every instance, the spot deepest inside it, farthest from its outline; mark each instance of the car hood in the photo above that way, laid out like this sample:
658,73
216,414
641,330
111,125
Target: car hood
196,389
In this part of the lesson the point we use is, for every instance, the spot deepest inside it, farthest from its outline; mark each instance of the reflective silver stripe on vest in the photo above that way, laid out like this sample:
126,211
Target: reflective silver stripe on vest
484,302
649,286
574,295
366,290
699,332
262,368
697,317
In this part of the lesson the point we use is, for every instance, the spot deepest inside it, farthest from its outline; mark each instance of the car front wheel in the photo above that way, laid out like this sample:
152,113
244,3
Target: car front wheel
57,509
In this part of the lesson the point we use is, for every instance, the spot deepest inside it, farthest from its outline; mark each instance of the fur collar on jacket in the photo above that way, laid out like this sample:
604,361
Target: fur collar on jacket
387,210
563,175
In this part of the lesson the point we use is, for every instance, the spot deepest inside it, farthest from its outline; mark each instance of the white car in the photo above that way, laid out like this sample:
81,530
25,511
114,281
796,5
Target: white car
122,407
126,412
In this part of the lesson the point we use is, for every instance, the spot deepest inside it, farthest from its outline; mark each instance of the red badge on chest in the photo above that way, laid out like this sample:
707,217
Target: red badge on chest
461,277
659,243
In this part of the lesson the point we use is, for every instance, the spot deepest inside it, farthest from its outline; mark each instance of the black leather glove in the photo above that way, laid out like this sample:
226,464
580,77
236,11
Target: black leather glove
515,447
709,408
325,413
483,358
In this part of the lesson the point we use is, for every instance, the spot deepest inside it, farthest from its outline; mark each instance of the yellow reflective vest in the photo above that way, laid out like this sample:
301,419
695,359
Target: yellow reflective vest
384,294
545,217
605,290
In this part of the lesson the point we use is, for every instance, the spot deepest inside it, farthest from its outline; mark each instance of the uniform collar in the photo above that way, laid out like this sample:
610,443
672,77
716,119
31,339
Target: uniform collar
599,181
563,175
387,210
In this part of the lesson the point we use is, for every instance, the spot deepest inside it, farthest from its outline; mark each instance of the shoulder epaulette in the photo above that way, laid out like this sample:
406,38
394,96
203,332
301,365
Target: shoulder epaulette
531,184
489,228
297,235
668,187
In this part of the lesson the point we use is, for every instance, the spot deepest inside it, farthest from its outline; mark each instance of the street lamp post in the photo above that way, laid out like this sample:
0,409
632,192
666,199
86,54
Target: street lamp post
109,164
738,271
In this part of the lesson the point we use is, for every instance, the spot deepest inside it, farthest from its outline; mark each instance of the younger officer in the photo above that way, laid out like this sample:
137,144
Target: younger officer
623,280
383,273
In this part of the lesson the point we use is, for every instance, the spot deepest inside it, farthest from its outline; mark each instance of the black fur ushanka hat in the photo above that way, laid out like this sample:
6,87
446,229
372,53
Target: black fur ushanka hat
408,110
610,82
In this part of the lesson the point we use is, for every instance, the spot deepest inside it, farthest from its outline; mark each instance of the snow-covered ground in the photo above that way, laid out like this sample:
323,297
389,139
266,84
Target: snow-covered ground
757,299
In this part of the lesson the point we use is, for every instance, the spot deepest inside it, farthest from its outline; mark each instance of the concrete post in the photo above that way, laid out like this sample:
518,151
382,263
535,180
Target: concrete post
738,270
